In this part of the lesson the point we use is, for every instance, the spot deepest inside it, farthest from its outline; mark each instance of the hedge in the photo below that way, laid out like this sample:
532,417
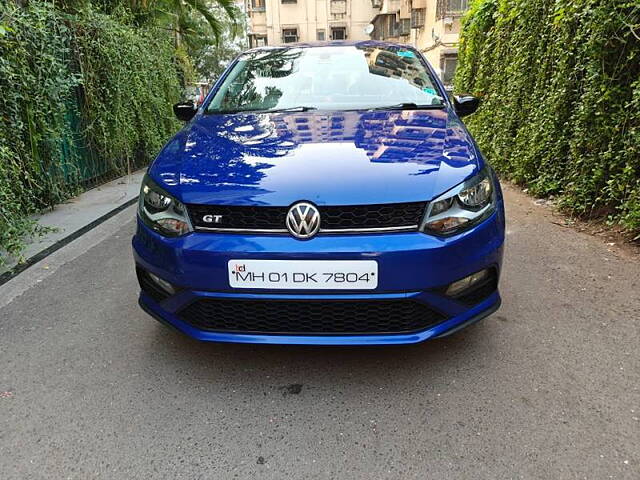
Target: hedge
82,96
560,88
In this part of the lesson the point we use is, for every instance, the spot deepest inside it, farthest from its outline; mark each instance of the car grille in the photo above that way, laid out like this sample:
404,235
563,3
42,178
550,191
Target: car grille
333,219
310,317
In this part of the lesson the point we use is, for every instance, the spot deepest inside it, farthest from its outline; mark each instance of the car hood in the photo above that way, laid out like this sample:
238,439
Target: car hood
337,158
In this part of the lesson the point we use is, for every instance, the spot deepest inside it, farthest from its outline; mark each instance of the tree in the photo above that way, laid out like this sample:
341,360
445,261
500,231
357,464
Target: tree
210,59
182,16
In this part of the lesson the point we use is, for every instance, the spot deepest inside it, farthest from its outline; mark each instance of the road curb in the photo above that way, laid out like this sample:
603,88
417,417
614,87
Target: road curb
21,267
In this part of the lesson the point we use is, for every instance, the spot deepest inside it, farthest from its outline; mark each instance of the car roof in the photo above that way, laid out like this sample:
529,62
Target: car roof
333,43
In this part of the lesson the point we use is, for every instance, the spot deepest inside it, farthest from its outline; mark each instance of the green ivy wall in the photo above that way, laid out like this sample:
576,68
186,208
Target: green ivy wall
560,88
82,96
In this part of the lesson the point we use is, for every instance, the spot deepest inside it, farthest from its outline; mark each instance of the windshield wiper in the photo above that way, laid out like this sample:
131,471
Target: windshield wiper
409,106
288,109
275,110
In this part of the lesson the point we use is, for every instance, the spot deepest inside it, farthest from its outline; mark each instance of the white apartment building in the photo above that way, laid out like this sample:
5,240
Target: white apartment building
432,26
274,22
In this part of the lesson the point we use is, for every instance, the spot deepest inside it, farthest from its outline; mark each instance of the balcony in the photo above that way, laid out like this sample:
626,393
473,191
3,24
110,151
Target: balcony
387,6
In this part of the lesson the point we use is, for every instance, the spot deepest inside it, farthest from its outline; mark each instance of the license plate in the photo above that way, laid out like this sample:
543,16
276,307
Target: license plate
304,274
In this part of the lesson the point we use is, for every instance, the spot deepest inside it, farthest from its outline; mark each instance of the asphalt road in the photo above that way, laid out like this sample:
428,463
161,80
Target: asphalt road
548,387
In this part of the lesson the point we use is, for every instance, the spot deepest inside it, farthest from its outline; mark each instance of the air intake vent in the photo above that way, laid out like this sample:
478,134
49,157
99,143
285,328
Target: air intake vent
310,317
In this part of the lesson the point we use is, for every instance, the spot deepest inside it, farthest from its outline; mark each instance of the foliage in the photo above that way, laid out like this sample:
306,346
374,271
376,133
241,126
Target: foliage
210,60
129,82
183,17
181,12
34,81
81,95
560,83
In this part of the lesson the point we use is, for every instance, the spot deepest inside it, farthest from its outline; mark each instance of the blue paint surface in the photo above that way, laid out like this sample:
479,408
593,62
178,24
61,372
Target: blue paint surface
329,158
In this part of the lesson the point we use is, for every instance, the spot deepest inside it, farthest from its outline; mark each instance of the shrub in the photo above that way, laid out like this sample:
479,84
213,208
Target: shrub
82,96
560,83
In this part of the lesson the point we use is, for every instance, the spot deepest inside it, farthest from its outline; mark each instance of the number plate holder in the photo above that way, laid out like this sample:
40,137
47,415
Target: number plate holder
304,274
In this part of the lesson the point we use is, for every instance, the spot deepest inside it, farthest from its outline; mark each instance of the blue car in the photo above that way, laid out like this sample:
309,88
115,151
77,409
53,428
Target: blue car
324,194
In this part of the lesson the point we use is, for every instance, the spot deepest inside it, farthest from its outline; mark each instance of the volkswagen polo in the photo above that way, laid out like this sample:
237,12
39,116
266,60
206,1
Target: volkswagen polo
321,194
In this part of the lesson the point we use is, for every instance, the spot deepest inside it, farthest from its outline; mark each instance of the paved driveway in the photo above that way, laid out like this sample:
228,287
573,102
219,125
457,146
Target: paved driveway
548,387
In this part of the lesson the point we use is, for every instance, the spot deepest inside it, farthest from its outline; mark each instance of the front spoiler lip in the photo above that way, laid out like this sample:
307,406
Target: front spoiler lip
448,327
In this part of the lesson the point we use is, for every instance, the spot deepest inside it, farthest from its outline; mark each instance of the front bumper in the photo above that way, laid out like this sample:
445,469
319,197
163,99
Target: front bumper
412,267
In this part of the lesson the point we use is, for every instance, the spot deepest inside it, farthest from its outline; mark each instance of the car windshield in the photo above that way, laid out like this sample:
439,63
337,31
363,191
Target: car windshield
327,78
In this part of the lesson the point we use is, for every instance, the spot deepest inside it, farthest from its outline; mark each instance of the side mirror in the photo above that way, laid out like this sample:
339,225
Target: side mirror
185,111
465,104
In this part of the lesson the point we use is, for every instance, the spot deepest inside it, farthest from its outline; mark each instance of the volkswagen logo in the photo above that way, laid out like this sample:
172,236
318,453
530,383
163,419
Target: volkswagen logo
303,220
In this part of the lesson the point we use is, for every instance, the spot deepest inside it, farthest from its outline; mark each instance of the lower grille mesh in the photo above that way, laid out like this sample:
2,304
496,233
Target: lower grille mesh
307,317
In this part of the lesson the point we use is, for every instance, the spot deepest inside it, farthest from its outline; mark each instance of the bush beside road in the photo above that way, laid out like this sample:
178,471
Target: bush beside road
560,83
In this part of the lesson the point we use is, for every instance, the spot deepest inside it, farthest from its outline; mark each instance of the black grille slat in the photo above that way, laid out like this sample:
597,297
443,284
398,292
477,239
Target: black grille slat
371,216
310,317
331,217
239,217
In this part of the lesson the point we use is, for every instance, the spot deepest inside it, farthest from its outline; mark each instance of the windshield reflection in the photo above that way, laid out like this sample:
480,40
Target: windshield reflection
326,78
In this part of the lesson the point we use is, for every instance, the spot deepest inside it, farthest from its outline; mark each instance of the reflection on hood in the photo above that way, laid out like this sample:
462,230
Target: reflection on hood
285,157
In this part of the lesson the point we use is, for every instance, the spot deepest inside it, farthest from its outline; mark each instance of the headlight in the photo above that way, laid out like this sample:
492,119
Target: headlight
463,206
162,212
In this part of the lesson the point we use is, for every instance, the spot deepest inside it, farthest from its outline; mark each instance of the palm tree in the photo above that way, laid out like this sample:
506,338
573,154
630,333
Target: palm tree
181,16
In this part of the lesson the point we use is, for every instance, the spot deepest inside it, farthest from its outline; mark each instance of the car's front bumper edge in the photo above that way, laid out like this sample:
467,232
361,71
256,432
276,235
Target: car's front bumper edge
452,325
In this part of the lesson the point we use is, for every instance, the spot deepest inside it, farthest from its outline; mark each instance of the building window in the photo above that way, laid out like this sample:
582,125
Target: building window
405,26
378,29
417,17
288,1
320,35
394,27
257,5
451,8
257,41
289,35
338,33
457,6
448,64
